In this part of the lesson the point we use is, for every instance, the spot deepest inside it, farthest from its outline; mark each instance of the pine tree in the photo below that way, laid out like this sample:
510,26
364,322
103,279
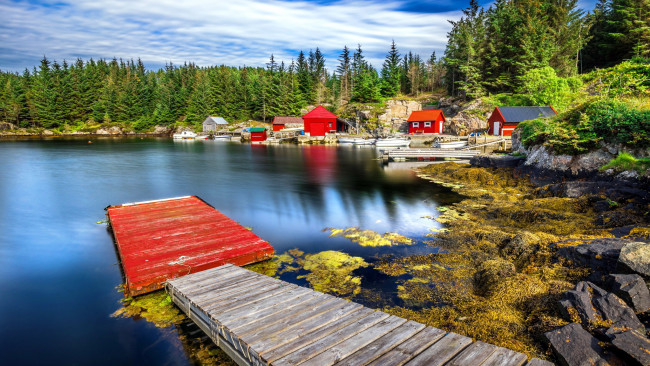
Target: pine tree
390,73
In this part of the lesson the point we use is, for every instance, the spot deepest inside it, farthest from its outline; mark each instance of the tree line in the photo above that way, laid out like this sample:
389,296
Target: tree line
60,95
488,51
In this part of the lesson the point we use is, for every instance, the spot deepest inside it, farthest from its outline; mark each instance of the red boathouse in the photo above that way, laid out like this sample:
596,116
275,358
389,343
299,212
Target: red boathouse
258,134
280,123
164,239
505,119
431,121
319,122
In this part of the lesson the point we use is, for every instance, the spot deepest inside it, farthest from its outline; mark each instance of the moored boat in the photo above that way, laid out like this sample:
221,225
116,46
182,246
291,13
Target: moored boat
393,142
356,141
450,145
185,135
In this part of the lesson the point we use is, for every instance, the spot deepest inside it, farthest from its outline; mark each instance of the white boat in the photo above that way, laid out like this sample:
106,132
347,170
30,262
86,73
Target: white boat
356,141
393,142
185,135
450,145
223,137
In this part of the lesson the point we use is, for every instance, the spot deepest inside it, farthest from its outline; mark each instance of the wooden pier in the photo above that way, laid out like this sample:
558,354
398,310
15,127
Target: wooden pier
168,238
423,154
259,320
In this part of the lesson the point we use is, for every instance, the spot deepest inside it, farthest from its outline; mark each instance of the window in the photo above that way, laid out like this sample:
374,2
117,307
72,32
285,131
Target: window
427,124
416,124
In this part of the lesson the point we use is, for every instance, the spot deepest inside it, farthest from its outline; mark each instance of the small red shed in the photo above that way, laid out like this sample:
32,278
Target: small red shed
319,122
258,134
280,123
431,121
505,119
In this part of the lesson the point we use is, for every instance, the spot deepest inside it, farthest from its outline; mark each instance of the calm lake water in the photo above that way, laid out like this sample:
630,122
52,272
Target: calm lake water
58,267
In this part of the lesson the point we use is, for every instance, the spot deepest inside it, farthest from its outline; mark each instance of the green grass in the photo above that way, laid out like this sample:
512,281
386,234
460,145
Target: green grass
625,161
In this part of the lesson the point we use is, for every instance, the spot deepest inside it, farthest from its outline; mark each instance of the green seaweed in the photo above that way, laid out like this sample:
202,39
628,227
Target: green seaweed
369,238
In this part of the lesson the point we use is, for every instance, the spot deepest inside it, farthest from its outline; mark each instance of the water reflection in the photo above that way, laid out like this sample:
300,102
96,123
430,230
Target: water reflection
59,267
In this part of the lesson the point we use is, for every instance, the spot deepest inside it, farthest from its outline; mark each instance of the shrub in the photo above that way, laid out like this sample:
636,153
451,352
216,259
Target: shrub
625,161
615,120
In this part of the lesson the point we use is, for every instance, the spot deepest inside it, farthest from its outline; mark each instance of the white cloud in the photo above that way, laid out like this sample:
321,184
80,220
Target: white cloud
208,33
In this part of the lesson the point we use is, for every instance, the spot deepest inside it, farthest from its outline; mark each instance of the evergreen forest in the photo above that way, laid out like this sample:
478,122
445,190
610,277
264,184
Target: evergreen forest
505,48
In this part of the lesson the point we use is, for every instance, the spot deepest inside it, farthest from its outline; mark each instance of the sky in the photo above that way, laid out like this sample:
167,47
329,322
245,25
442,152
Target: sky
216,32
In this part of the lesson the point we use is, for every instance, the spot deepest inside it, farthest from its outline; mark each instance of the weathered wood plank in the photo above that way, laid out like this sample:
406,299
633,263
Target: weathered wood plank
441,351
290,318
302,325
382,345
219,306
331,340
410,348
215,282
254,307
475,354
276,313
228,284
312,335
505,357
538,362
224,294
352,344
203,275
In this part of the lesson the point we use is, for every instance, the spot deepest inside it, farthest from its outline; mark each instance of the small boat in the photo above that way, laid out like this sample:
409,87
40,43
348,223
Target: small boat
356,141
450,145
185,135
393,142
223,137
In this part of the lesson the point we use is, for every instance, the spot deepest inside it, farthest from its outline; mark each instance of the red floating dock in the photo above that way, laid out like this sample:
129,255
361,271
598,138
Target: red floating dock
170,238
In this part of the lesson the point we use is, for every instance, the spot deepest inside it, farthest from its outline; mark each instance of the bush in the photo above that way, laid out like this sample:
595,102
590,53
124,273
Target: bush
625,161
617,122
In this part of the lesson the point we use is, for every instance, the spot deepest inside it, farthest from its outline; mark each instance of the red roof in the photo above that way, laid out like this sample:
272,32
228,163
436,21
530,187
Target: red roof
320,112
164,239
425,116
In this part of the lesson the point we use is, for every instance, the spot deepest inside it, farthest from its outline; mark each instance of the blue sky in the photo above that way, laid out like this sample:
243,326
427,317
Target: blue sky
235,32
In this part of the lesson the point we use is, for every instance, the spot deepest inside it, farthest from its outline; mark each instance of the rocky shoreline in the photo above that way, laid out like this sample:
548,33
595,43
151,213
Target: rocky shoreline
607,310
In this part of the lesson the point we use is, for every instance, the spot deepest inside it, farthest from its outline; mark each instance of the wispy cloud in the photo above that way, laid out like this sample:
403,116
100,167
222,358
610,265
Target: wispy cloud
234,32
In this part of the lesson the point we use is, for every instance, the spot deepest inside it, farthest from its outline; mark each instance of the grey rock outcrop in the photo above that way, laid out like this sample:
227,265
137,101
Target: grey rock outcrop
599,254
636,257
574,346
631,288
634,345
613,308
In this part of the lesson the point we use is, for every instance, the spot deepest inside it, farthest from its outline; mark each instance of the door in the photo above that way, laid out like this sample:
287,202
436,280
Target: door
440,127
317,129
496,128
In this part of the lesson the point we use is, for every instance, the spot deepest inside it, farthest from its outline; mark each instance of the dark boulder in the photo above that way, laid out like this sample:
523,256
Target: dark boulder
599,254
497,161
574,346
631,288
579,302
611,307
635,256
634,345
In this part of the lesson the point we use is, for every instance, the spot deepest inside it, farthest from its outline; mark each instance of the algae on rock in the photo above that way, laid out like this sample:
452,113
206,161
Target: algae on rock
369,238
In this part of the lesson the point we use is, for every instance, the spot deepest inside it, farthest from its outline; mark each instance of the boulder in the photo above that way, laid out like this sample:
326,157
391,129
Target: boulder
599,254
497,161
574,346
613,308
521,248
634,345
635,257
631,288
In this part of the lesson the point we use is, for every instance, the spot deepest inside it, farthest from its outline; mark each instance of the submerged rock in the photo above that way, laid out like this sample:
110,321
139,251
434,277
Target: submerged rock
492,272
574,346
631,288
635,256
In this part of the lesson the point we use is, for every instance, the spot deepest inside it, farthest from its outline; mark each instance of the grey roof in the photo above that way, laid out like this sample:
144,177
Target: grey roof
519,114
215,121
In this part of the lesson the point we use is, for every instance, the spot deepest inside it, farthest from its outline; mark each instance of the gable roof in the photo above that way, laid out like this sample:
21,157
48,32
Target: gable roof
320,112
425,116
215,121
520,114
257,129
285,120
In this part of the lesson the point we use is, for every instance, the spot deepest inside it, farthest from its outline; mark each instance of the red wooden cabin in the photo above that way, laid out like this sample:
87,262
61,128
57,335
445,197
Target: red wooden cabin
319,122
431,121
505,119
258,134
280,123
